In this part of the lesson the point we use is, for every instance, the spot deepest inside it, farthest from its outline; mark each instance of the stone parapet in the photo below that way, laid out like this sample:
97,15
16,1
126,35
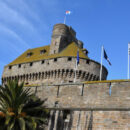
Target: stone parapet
60,71
96,96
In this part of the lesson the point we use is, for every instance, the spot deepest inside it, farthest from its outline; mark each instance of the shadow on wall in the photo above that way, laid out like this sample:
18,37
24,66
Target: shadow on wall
63,120
90,126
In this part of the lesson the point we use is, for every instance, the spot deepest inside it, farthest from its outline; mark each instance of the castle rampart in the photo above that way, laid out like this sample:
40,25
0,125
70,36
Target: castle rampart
58,70
89,106
88,96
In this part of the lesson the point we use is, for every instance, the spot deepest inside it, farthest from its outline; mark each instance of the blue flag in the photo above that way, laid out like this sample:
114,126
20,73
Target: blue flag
77,57
106,57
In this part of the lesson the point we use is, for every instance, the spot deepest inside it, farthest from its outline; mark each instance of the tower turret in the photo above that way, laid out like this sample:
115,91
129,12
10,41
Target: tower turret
62,35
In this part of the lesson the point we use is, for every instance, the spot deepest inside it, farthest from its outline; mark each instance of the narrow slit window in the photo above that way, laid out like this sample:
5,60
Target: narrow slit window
55,59
19,66
69,58
87,61
31,64
43,61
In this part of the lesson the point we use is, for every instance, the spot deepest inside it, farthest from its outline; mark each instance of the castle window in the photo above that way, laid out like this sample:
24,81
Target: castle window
10,67
29,54
43,51
43,61
69,58
31,64
87,61
54,51
55,59
19,66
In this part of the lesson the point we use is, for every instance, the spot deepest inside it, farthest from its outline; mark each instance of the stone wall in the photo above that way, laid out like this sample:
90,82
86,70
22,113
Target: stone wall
87,96
52,71
90,106
89,120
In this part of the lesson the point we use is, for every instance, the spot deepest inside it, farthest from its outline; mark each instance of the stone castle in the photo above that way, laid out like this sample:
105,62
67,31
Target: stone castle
55,63
87,104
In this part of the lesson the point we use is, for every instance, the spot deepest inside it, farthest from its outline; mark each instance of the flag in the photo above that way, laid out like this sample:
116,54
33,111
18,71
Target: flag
68,12
77,57
129,48
106,57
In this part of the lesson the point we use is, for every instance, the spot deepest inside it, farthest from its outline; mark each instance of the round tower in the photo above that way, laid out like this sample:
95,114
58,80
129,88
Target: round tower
62,35
60,30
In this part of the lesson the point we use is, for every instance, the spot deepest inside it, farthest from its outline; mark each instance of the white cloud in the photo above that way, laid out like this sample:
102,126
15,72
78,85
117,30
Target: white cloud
24,16
11,33
22,7
12,16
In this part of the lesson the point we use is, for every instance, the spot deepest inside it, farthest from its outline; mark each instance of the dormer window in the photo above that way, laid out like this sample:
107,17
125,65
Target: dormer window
29,54
43,51
85,51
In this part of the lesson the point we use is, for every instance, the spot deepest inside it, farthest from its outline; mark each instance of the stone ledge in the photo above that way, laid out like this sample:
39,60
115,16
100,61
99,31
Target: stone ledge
91,109
106,81
80,83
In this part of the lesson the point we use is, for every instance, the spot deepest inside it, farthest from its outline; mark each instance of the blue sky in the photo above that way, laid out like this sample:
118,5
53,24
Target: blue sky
28,24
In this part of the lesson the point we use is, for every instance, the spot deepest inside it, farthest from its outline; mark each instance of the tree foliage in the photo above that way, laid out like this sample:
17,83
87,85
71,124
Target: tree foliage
20,109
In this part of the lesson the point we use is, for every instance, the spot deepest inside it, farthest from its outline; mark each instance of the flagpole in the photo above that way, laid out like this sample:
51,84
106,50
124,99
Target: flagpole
101,63
64,19
128,59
